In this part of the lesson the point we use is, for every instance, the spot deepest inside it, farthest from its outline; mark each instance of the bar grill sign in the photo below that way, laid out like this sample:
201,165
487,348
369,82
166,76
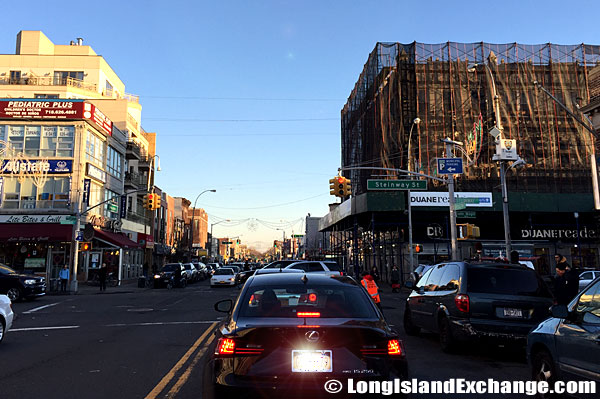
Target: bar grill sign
86,191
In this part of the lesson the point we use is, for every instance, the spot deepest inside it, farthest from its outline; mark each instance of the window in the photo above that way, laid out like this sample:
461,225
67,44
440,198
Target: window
114,161
94,149
450,278
109,195
16,137
315,267
301,266
586,276
95,194
45,96
15,77
109,88
32,140
40,141
434,278
589,305
501,280
61,77
54,194
424,278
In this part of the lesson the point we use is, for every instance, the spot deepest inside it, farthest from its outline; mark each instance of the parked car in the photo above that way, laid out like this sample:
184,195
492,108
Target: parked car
280,264
419,271
463,301
223,276
19,286
289,335
566,346
191,271
171,275
6,315
314,266
203,272
587,277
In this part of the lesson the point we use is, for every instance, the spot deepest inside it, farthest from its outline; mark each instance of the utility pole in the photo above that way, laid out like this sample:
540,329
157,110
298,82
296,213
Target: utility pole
451,202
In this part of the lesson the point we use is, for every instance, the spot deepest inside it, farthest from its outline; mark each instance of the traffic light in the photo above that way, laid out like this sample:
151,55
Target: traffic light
156,201
147,201
151,201
275,244
418,248
85,246
332,183
467,231
347,187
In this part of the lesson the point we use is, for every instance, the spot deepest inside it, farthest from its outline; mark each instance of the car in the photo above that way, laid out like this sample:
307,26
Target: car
236,269
245,275
223,276
171,275
6,315
280,264
212,267
565,347
203,272
587,277
289,333
191,271
19,286
419,271
464,301
314,266
273,271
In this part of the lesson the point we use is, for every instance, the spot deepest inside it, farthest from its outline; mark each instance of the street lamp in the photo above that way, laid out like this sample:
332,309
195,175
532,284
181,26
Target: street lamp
498,136
193,215
211,235
416,121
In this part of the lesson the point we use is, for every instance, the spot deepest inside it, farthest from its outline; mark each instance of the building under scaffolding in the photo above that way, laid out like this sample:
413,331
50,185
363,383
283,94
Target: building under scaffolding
449,87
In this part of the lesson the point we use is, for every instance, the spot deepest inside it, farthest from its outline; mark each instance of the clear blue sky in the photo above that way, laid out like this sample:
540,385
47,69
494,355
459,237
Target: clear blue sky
245,96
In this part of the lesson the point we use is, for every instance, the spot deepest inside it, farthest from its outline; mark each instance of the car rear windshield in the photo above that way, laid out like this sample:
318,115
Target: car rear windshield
334,267
498,280
223,272
319,300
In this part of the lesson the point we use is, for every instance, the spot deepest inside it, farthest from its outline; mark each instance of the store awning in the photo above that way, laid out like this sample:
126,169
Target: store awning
120,240
17,232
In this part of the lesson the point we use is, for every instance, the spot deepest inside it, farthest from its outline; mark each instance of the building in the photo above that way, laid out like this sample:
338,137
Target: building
200,232
40,69
410,96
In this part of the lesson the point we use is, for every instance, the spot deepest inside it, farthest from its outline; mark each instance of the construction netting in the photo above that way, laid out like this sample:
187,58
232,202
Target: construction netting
410,96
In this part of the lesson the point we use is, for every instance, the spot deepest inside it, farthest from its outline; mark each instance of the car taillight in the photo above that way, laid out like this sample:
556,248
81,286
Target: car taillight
228,347
309,314
462,302
225,346
341,273
394,348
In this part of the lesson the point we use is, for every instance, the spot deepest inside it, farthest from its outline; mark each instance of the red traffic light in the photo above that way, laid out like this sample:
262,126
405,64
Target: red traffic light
341,179
418,248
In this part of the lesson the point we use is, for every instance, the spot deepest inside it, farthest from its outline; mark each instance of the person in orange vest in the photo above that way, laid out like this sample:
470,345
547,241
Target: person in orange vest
371,286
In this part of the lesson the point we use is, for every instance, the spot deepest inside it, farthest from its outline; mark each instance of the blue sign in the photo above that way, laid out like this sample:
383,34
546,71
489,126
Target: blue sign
449,166
86,191
123,206
9,166
79,236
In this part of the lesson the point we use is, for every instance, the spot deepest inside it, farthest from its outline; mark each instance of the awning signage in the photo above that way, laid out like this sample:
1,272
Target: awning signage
441,199
8,166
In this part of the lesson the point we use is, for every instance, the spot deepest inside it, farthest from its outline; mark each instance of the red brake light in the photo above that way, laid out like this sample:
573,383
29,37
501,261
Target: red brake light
394,347
225,346
462,302
309,314
341,273
312,297
307,326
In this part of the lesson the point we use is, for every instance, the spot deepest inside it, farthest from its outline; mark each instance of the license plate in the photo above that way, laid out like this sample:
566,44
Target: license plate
312,361
509,312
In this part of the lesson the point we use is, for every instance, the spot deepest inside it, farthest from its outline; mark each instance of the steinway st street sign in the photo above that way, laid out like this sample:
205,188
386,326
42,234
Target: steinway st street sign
382,184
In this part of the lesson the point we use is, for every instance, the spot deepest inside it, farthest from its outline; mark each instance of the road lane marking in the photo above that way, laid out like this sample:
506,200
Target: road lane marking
184,377
42,328
171,374
165,323
40,308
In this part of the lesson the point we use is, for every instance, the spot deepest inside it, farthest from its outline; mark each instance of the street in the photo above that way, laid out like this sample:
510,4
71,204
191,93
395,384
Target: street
151,343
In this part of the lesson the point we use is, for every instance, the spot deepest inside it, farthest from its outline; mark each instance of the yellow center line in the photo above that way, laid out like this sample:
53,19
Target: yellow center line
182,380
171,374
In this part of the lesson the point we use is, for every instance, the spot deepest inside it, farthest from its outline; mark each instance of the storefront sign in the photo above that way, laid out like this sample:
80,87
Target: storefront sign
55,110
540,234
32,218
104,222
96,173
86,191
123,206
36,165
441,199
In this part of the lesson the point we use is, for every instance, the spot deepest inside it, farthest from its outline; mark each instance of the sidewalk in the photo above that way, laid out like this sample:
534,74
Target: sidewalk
127,287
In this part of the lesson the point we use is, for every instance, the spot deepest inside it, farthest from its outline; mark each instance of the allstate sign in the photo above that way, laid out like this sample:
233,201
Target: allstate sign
9,166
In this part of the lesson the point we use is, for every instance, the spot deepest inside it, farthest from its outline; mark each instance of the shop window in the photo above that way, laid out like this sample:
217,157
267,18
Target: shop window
54,194
16,137
114,160
28,194
32,140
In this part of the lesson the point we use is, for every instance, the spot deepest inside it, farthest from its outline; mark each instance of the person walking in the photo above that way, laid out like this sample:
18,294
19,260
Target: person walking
371,287
375,273
566,281
395,278
102,273
63,275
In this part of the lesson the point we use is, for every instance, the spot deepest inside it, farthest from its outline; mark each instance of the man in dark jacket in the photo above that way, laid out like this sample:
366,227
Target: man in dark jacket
566,281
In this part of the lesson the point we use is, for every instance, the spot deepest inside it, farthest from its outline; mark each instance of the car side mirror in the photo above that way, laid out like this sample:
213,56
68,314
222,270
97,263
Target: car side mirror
409,284
560,311
224,306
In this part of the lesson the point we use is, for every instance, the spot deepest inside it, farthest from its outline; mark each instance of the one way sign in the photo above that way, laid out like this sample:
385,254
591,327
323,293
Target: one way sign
450,166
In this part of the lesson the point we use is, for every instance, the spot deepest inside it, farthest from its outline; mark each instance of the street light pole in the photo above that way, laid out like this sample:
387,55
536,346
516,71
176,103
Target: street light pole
416,121
193,215
211,235
451,201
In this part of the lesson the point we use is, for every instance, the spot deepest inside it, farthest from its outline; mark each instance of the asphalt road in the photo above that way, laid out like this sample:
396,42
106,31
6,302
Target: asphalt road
138,343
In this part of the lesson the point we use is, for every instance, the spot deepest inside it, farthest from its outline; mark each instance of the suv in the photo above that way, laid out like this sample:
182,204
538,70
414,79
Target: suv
6,315
280,264
19,286
463,301
191,271
315,266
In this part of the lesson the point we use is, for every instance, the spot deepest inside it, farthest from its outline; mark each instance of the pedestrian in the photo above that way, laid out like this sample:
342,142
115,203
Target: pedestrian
514,257
395,277
102,277
566,281
375,273
63,275
246,266
145,269
371,287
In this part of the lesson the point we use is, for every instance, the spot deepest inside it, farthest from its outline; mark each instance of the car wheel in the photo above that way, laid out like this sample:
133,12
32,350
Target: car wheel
542,369
14,294
447,341
409,326
169,285
2,329
183,283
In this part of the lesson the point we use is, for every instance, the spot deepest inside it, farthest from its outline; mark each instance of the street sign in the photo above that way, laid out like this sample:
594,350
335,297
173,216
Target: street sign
69,220
297,235
123,206
450,166
79,236
466,214
113,208
86,191
382,184
226,242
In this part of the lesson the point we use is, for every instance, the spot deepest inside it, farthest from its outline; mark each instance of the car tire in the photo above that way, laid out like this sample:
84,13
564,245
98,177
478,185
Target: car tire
170,285
14,294
2,329
183,283
447,341
542,369
409,326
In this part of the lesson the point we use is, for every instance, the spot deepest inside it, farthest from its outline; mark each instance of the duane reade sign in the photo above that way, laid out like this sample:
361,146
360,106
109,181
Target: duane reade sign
479,200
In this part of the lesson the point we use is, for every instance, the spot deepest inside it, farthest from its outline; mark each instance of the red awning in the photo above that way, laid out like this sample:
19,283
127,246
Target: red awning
17,232
120,240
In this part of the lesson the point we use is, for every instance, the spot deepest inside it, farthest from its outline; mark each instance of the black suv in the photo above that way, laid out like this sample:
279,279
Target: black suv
18,286
463,301
171,275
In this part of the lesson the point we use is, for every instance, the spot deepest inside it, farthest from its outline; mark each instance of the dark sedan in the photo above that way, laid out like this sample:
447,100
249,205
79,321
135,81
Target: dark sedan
290,333
19,286
171,275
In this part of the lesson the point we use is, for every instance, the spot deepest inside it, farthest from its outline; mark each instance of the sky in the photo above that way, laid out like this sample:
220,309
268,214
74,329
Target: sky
245,96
